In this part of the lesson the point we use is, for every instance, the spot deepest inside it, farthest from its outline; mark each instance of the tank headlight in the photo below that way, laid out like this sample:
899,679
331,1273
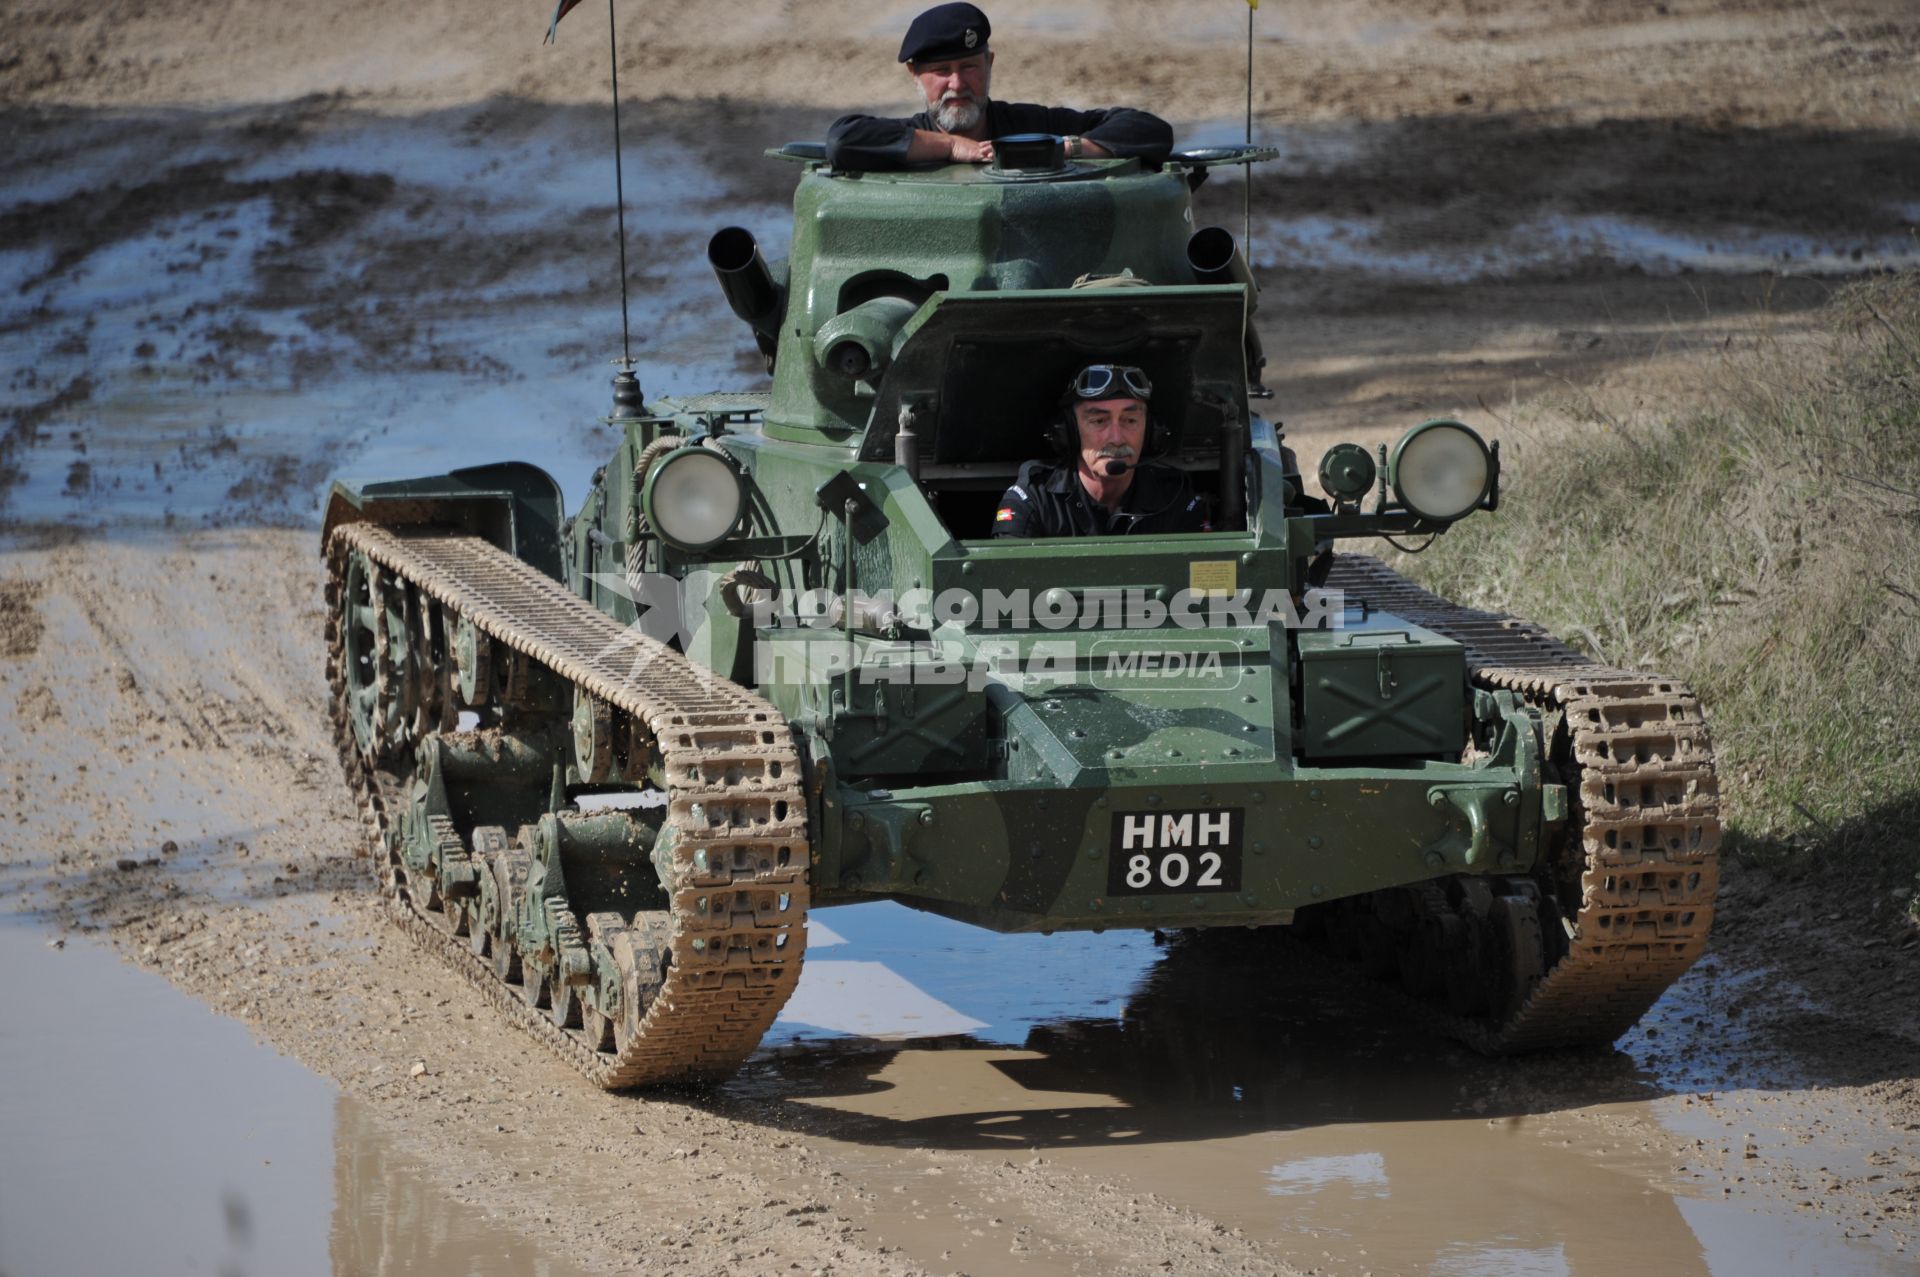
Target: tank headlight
1440,470
693,498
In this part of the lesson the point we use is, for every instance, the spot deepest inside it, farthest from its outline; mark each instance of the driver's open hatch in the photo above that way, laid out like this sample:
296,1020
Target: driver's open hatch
984,373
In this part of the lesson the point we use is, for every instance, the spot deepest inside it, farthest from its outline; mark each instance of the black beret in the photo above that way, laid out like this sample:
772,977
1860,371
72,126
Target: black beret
946,31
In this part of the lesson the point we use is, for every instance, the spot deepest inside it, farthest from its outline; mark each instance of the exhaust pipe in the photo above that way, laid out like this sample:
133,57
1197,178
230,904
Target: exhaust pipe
749,286
1215,258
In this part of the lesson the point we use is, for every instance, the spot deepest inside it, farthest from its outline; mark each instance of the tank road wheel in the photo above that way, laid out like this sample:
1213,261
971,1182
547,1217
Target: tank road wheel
508,869
396,675
640,953
1520,952
1461,972
600,1006
456,879
483,906
368,669
478,942
472,663
504,957
536,986
596,1027
461,920
431,663
563,1002
592,737
445,910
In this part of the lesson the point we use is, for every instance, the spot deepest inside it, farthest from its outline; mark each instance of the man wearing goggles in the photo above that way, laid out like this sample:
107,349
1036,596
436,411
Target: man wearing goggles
1103,485
945,51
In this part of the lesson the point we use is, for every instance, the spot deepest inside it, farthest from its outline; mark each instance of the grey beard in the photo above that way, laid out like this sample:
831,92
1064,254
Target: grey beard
959,117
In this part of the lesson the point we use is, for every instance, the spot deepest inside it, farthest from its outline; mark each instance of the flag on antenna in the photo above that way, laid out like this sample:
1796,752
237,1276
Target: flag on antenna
1251,4
566,7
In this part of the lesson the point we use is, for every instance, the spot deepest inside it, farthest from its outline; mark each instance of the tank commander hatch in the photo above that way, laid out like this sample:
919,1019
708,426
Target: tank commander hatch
1104,484
946,53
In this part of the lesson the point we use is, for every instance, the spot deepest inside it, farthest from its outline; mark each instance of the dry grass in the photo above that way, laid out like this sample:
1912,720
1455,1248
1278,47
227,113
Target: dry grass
1767,552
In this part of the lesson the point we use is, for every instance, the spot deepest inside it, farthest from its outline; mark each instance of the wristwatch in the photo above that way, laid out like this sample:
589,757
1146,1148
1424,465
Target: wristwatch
1076,146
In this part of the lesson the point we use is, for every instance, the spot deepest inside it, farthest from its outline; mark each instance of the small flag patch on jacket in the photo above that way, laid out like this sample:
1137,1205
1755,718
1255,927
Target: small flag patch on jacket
1004,515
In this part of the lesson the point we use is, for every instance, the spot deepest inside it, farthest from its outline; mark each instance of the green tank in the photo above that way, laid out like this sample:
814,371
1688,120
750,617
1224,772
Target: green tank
776,660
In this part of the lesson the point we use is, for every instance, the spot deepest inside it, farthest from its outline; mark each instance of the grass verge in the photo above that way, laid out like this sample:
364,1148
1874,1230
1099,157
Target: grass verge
1766,551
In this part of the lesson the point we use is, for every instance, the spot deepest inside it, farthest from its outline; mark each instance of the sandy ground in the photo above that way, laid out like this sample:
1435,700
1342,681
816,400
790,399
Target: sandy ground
243,248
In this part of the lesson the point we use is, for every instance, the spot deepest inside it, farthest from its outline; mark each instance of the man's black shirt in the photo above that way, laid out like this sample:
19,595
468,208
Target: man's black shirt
1050,501
866,142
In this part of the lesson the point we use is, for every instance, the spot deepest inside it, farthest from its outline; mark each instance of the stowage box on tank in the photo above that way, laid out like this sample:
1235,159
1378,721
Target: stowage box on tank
777,659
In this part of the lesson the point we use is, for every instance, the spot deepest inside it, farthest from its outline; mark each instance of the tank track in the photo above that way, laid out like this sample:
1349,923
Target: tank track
711,971
1620,909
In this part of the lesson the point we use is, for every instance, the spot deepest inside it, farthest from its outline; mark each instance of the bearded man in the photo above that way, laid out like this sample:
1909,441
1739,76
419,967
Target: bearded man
946,54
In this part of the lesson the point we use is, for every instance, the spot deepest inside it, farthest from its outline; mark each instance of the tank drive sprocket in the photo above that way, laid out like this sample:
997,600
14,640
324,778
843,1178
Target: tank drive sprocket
423,623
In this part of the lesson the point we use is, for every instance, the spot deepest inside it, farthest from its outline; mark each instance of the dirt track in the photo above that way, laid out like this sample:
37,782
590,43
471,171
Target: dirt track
244,247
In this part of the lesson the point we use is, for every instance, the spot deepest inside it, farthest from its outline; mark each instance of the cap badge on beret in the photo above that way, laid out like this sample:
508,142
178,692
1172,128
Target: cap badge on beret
946,31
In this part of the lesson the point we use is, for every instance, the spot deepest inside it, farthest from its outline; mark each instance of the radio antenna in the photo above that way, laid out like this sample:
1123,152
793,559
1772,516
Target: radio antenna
620,186
1246,189
626,388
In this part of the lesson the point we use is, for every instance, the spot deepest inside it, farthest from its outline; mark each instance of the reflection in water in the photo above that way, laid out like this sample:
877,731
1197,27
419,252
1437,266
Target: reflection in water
1269,1094
387,1220
884,971
1364,1174
140,1134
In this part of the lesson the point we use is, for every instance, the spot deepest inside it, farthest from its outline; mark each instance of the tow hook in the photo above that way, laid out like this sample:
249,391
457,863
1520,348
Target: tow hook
1471,802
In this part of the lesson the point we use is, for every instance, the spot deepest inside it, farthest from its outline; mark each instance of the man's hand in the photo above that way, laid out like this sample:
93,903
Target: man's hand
967,151
928,147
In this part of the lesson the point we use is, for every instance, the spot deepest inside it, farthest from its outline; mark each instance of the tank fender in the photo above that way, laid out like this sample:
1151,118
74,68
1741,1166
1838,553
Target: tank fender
516,506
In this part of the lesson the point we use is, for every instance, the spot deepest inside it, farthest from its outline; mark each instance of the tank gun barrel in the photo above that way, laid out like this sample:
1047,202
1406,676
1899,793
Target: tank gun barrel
749,286
860,342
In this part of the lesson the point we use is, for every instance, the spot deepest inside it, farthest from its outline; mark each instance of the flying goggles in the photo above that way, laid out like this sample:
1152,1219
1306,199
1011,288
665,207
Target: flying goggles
1110,381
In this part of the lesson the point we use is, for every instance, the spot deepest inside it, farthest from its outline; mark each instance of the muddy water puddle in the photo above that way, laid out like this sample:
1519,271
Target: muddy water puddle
143,1133
1267,1097
199,371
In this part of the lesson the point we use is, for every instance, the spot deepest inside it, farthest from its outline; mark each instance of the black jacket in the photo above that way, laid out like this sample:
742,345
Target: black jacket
1049,501
871,142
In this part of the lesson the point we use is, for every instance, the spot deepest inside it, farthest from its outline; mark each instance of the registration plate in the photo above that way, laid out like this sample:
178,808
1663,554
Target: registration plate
1161,852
